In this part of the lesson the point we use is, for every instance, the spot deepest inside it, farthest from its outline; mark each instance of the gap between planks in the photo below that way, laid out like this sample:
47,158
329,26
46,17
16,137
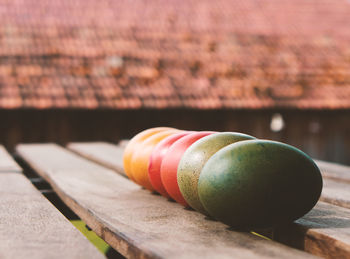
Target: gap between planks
7,164
334,192
137,223
30,226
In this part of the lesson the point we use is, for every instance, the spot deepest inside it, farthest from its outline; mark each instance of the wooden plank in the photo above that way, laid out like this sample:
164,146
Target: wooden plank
123,143
325,231
31,227
7,164
334,171
136,222
109,155
103,153
334,192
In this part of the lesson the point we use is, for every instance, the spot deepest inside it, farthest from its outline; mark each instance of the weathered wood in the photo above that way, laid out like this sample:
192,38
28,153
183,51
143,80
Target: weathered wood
137,223
325,231
333,192
336,192
334,171
7,164
31,227
110,155
107,154
103,153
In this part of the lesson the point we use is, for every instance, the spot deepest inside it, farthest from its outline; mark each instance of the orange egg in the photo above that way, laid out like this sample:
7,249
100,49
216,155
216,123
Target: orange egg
136,141
141,158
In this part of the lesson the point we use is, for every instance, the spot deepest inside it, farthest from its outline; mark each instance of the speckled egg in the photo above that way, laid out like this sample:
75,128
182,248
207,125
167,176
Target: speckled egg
194,159
256,184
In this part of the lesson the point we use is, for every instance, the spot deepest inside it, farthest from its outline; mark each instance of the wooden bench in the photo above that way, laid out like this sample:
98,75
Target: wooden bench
30,226
7,164
336,178
143,225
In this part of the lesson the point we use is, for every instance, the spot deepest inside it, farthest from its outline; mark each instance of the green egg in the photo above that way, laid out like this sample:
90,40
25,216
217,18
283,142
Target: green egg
194,159
256,184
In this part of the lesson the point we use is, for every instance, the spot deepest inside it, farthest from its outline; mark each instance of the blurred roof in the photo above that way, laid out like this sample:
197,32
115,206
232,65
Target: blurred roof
173,54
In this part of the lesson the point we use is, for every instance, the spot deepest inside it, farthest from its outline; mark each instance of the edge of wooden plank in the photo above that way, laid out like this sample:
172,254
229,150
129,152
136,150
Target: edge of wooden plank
317,232
32,224
123,143
89,149
118,238
329,170
334,171
330,195
31,227
336,192
105,154
7,163
102,229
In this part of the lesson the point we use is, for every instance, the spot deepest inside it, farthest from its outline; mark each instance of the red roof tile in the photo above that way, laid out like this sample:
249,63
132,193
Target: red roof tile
176,54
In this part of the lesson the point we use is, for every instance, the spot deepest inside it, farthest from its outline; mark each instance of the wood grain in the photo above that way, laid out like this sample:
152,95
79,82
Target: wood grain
334,191
134,221
325,231
110,155
334,171
103,153
31,227
7,164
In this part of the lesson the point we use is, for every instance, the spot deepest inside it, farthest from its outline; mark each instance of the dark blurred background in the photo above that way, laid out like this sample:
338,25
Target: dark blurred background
88,70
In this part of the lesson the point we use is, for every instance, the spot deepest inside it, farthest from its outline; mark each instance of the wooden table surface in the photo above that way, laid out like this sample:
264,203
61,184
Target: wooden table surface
137,223
7,164
30,226
318,234
91,181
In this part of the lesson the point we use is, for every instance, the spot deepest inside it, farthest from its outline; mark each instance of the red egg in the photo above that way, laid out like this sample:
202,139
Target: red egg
156,159
168,169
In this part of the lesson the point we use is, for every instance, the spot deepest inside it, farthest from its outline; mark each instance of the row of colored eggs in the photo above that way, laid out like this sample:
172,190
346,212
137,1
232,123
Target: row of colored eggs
244,182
